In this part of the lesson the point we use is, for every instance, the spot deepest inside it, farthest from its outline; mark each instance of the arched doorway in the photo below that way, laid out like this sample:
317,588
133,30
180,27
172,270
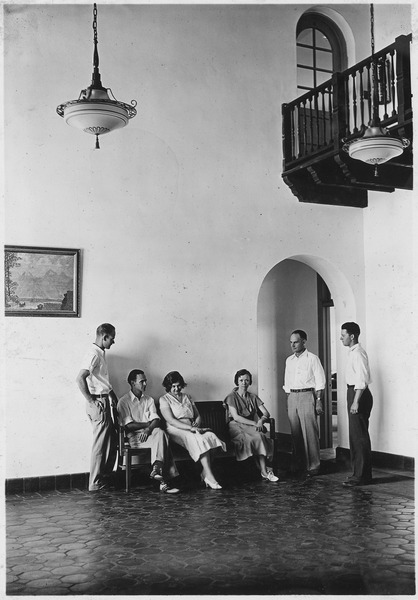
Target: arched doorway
312,294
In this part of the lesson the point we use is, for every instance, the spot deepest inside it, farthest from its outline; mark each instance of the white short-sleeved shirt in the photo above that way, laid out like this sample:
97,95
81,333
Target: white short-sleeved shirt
303,371
141,410
357,370
94,361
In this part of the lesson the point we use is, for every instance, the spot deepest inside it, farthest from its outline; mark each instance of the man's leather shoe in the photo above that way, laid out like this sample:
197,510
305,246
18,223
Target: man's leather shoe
356,482
312,473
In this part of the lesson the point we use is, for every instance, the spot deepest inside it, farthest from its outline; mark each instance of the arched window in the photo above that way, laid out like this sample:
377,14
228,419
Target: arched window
321,50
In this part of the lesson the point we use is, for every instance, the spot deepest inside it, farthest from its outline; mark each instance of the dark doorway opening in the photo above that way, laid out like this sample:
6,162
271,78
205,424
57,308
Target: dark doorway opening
326,351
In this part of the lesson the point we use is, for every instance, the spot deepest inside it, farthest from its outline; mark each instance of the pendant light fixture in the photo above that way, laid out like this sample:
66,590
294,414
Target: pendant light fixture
376,145
95,112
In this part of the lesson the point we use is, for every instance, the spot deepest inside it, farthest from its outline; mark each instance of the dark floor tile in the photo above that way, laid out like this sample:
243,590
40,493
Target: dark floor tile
31,484
79,481
297,538
46,483
14,486
63,482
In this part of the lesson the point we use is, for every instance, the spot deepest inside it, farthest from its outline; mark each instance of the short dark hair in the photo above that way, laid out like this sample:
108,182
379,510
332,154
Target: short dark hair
301,333
171,378
240,373
351,328
105,329
134,374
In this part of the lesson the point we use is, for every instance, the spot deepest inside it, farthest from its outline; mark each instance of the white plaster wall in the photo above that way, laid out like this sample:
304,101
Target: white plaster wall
391,320
180,216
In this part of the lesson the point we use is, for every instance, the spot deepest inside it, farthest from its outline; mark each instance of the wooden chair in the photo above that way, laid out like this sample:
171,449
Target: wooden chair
125,454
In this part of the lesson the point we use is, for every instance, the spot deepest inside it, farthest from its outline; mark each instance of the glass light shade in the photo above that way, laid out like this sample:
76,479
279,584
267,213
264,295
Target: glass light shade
375,147
97,117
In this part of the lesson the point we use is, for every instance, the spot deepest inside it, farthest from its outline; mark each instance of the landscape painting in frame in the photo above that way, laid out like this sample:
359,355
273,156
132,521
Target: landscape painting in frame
41,282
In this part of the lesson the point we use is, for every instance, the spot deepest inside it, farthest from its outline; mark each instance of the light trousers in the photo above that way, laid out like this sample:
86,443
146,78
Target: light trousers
160,450
103,452
305,431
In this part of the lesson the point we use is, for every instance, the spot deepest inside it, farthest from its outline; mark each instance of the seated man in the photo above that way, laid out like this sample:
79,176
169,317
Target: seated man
138,414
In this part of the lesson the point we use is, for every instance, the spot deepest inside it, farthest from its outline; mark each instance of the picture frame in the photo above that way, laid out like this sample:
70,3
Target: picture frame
42,282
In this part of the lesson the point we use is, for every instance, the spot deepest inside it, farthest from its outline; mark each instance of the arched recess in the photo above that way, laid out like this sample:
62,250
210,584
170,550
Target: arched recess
287,300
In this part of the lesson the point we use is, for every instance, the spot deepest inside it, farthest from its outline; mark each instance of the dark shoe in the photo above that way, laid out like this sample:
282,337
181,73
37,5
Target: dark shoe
167,489
156,473
356,482
312,473
103,487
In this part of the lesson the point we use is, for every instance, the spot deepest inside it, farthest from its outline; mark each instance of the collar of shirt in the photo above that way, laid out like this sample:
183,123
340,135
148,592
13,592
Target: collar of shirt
133,397
100,350
354,347
301,355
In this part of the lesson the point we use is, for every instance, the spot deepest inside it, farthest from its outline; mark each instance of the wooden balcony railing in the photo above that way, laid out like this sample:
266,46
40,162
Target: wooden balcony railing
321,120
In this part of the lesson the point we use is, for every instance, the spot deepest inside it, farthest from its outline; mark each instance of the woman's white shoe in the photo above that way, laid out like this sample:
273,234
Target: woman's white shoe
214,485
270,476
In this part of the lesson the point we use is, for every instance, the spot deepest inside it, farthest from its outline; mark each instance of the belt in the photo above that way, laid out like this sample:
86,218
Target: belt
350,386
99,395
303,390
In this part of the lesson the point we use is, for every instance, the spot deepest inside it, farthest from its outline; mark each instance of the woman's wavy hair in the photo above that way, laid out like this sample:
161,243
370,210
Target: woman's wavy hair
171,378
240,373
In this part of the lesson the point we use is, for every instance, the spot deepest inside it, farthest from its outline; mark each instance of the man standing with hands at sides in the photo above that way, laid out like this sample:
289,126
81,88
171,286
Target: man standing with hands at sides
304,384
94,384
359,403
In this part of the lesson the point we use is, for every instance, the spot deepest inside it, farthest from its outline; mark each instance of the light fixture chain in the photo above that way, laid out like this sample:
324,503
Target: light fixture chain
95,52
95,22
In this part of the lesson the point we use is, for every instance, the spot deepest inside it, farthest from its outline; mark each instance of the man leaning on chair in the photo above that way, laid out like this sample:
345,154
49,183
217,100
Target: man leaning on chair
138,415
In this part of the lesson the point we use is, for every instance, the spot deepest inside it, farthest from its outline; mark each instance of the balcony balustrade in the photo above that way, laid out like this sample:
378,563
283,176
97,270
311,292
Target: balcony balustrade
318,124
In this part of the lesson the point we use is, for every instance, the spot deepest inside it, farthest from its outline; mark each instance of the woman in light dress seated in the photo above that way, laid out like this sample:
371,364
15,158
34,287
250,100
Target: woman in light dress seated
184,426
246,415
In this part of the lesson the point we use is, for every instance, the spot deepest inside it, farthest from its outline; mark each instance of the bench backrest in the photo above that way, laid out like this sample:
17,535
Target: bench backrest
213,416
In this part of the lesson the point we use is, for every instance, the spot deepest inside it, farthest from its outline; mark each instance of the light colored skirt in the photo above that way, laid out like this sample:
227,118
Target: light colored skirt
248,442
196,444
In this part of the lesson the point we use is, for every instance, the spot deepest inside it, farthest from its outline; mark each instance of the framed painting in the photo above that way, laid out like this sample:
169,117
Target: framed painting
41,282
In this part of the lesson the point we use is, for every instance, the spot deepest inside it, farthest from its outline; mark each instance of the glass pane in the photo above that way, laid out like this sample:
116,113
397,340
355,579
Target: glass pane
323,60
304,56
322,77
305,78
321,40
305,37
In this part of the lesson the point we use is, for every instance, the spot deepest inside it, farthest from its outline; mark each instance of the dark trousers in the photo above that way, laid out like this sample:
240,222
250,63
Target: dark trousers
360,446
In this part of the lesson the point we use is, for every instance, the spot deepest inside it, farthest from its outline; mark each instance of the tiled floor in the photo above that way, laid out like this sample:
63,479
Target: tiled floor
296,537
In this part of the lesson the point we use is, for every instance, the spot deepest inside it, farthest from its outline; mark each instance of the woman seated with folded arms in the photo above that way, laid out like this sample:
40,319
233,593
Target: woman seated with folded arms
184,426
246,417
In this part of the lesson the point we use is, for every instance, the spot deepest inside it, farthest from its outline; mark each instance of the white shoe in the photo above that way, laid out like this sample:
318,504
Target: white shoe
270,476
214,485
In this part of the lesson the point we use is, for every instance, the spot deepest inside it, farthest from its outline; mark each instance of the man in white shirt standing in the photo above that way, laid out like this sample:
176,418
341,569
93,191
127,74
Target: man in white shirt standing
138,415
359,403
304,384
94,384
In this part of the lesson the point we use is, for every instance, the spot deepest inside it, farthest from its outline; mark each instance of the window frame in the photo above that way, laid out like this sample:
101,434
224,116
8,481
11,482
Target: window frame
338,48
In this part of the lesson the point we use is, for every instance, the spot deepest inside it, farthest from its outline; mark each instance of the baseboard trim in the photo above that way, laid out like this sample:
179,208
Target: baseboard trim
80,481
383,460
31,485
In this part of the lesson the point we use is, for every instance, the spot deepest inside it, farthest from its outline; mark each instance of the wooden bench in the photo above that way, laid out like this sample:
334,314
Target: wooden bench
213,416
